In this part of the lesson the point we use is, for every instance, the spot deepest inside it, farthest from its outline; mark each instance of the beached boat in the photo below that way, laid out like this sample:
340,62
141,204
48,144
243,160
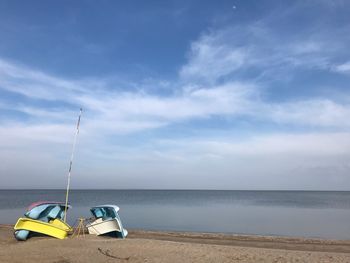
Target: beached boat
48,218
106,221
43,218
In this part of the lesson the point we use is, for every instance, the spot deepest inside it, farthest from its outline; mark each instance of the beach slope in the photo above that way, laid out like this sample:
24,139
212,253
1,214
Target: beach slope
150,246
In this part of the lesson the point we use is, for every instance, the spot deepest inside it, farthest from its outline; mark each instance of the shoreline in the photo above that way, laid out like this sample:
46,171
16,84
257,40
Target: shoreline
256,241
170,246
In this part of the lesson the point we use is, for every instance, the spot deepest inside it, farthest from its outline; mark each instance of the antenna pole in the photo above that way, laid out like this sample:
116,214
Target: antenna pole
70,165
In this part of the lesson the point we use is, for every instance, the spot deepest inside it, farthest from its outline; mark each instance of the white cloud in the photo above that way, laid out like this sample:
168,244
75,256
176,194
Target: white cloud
211,58
230,98
343,68
22,135
312,112
122,112
314,144
274,161
35,84
226,52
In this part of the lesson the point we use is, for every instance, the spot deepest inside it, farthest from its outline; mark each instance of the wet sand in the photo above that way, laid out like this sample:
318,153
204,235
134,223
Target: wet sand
152,246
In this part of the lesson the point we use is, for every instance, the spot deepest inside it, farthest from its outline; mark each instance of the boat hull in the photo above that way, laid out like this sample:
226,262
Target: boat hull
55,228
104,227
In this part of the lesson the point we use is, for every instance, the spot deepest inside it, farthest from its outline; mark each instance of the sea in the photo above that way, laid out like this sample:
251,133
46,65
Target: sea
318,214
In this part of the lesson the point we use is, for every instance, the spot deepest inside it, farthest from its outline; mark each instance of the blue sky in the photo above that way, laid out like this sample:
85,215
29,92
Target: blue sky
176,94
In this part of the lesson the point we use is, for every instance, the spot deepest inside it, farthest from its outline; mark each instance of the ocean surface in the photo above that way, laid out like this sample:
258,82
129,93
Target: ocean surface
287,213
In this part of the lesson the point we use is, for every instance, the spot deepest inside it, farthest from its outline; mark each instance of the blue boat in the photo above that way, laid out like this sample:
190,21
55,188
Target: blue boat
106,221
43,217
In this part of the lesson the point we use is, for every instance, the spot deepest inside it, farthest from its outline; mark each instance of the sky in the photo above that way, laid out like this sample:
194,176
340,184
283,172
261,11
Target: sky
247,95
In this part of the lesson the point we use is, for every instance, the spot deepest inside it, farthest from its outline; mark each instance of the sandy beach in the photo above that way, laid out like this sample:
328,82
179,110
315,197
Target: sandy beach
151,246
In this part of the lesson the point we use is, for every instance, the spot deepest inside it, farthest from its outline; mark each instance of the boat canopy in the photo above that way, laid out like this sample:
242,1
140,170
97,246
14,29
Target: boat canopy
105,211
39,203
45,211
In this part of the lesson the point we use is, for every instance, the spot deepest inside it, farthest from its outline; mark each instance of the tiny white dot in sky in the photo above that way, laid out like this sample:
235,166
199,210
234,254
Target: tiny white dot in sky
234,7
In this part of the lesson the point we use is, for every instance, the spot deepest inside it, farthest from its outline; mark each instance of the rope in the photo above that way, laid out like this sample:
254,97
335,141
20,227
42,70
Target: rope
70,165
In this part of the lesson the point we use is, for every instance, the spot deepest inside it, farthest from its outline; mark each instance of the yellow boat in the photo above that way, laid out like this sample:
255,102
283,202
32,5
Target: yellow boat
55,228
46,217
43,217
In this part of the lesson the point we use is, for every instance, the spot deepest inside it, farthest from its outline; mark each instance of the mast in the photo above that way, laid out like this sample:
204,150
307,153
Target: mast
70,165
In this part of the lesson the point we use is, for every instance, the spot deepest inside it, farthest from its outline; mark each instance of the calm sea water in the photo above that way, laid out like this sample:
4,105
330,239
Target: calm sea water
290,213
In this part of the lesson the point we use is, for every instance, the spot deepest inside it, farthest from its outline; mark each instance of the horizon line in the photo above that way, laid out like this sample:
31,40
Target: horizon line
178,189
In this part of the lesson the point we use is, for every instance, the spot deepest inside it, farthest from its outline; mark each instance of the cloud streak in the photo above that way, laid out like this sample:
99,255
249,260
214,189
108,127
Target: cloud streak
123,112
231,98
343,68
